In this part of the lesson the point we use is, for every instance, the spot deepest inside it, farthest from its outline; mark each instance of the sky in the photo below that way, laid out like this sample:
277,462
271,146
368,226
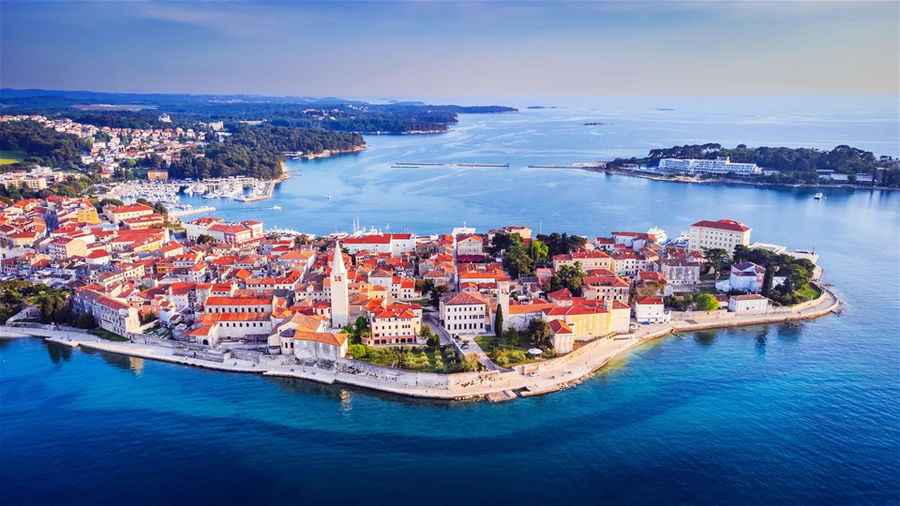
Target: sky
430,48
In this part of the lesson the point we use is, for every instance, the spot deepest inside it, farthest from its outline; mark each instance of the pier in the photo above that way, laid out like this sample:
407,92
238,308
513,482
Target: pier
188,212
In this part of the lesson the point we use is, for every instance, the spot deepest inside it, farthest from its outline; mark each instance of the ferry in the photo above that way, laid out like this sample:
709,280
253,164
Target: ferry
819,196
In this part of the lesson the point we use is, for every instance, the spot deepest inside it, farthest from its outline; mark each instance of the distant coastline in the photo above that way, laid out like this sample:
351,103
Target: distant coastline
745,182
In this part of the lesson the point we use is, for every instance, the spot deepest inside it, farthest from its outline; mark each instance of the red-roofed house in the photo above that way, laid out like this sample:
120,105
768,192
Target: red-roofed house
588,260
650,310
117,214
394,244
464,313
724,234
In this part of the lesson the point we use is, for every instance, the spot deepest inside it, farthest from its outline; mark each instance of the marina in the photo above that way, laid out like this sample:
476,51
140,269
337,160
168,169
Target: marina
241,189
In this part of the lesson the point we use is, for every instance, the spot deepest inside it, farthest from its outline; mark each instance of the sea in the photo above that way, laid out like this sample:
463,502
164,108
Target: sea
800,413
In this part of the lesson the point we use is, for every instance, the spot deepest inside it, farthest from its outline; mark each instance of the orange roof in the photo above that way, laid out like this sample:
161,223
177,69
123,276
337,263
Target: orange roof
732,225
234,317
321,337
236,301
560,327
464,298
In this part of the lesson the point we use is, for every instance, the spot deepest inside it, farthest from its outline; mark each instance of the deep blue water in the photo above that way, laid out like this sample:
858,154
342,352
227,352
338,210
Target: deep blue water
805,413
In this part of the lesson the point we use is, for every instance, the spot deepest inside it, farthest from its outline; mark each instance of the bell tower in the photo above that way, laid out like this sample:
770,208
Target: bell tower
340,300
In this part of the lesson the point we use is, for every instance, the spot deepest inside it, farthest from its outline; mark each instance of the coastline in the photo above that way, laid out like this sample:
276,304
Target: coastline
327,153
675,179
521,381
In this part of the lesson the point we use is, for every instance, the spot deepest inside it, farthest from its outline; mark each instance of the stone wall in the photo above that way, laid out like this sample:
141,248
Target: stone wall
700,315
390,375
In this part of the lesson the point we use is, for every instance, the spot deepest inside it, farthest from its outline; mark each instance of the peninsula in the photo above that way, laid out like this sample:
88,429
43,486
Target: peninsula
841,166
461,315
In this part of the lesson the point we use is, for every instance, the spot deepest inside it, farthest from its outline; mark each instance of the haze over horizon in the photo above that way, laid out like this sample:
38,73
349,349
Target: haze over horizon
419,49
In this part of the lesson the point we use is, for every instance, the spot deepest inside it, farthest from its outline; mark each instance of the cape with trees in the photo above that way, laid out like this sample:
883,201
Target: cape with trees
42,145
795,164
257,151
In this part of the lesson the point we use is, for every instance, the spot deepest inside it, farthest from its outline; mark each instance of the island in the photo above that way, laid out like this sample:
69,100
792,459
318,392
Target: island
843,166
491,315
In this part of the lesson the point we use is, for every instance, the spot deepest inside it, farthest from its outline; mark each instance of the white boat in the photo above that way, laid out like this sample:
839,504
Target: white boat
327,197
819,196
276,208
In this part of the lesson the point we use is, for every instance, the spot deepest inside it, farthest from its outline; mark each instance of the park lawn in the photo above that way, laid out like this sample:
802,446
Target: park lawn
421,359
486,342
808,292
105,334
8,157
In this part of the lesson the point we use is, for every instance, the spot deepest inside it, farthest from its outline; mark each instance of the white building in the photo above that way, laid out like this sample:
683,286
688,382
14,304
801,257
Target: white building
464,313
650,310
395,244
748,304
319,345
469,244
720,166
680,272
724,234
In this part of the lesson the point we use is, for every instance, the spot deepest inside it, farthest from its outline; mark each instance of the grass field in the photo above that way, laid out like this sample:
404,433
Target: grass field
809,292
7,157
105,334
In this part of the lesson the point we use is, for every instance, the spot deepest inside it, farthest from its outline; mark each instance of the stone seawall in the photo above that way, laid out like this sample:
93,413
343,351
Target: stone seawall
531,379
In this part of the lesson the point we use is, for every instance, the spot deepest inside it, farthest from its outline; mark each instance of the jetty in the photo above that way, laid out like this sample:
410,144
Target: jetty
450,164
188,212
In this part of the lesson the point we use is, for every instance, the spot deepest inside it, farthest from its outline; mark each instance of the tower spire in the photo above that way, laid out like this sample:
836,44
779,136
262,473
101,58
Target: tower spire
340,300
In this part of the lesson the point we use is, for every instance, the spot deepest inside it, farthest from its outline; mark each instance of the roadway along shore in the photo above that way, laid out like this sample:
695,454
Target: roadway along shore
522,381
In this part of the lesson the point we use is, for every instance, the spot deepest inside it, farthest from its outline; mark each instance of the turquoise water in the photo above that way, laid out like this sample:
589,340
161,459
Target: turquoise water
770,414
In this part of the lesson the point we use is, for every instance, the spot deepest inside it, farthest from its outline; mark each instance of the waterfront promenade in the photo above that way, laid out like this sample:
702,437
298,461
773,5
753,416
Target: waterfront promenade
522,381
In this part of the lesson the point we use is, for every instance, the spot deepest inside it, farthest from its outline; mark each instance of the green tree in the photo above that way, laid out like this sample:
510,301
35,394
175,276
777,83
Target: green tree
707,302
571,277
716,256
516,260
437,293
498,322
539,332
540,252
424,286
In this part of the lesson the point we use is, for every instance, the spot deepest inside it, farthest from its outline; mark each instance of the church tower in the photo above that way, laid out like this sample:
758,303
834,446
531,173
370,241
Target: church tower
340,300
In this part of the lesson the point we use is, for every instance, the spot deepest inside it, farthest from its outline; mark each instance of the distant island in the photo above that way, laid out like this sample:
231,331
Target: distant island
772,165
221,135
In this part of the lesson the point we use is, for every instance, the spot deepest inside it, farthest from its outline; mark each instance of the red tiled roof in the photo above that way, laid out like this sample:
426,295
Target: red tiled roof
732,225
321,337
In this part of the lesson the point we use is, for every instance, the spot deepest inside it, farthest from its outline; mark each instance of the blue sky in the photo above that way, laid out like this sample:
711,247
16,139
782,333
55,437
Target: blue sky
452,48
